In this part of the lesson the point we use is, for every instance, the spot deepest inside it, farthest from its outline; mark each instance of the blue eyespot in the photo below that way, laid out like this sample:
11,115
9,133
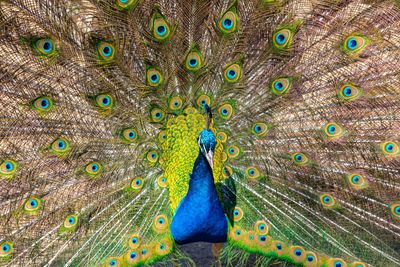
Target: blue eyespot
298,157
236,212
278,246
162,247
278,86
44,103
144,251
310,258
6,248
161,221
71,220
48,46
158,115
238,232
113,262
134,240
107,51
332,129
338,264
154,78
61,144
355,179
227,24
352,44
262,238
224,111
232,74
347,91
389,147
138,182
95,167
397,210
33,203
280,38
124,1
258,128
327,199
161,30
193,62
132,134
251,171
298,252
9,166
133,255
106,101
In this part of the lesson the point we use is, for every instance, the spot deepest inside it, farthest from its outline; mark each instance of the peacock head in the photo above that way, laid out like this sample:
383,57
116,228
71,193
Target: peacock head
207,140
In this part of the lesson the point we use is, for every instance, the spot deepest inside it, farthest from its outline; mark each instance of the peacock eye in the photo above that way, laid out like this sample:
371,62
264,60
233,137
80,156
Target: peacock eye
105,101
260,129
32,204
281,86
126,4
194,60
45,47
357,181
137,183
163,247
355,44
203,100
336,262
60,146
93,168
134,241
157,114
261,227
175,103
233,73
390,148
227,171
297,253
327,200
222,136
42,104
160,223
229,22
237,214
311,257
282,38
129,135
349,92
233,151
71,221
333,130
225,111
152,156
154,77
252,172
6,248
160,27
395,210
8,167
300,159
106,52
162,181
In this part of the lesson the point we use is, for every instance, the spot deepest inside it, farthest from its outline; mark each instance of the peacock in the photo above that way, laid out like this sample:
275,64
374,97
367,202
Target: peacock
268,130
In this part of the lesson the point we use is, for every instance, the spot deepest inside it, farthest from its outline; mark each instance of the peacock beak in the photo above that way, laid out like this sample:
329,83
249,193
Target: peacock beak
210,158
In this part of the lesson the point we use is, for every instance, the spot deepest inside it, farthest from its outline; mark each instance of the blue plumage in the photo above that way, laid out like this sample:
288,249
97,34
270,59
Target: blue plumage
200,216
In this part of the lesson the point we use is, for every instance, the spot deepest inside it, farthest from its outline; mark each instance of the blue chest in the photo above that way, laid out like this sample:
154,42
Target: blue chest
200,216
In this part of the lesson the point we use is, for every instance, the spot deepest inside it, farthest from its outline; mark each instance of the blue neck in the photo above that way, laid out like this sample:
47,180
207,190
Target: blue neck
200,216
